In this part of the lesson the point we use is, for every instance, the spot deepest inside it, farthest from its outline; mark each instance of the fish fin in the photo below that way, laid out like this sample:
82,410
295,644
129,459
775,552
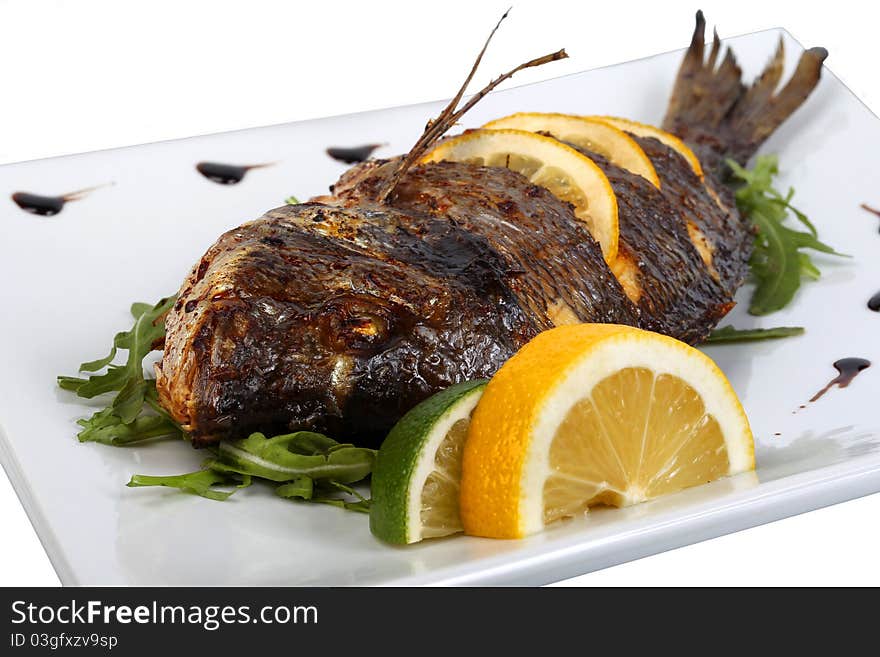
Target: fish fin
718,115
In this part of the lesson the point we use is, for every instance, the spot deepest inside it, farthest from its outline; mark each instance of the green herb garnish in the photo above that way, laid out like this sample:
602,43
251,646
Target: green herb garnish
310,466
201,482
728,334
297,455
324,492
134,413
292,200
778,263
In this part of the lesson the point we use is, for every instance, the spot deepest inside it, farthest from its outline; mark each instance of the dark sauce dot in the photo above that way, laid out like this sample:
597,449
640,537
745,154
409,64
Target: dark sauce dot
352,154
874,303
190,306
48,206
848,369
226,174
44,206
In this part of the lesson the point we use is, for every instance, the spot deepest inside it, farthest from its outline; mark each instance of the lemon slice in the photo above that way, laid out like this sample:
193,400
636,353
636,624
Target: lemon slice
415,480
645,130
590,134
568,174
596,414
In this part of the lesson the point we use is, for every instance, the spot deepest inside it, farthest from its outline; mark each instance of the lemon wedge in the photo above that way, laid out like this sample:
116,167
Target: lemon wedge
596,414
645,130
590,134
565,172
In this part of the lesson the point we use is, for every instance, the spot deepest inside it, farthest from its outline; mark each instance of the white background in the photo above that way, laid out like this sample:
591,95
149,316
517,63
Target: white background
86,75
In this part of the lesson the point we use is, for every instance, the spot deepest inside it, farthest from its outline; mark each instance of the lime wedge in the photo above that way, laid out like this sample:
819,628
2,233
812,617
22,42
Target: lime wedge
418,468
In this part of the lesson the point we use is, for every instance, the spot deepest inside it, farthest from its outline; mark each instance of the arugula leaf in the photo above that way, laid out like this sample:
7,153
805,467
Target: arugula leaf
729,334
777,263
123,421
71,383
362,504
292,200
138,308
107,428
303,488
295,455
201,482
139,340
121,340
216,473
324,492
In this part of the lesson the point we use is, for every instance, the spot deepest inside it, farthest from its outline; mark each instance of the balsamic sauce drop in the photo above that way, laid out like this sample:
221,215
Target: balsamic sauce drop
848,369
48,206
45,206
352,154
867,207
226,174
874,303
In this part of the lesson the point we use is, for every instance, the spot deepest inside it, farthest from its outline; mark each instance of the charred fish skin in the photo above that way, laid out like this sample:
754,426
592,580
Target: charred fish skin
666,278
723,238
334,320
561,274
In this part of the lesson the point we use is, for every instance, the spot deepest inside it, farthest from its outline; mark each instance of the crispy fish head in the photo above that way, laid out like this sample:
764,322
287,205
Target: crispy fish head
334,320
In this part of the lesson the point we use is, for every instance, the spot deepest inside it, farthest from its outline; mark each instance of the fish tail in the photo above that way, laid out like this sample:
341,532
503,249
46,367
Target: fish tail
718,115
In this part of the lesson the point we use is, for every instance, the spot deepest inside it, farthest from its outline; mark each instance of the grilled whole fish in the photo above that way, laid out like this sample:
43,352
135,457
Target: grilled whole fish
340,314
334,320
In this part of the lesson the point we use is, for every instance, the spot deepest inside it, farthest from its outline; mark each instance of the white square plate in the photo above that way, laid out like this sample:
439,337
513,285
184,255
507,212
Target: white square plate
69,279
